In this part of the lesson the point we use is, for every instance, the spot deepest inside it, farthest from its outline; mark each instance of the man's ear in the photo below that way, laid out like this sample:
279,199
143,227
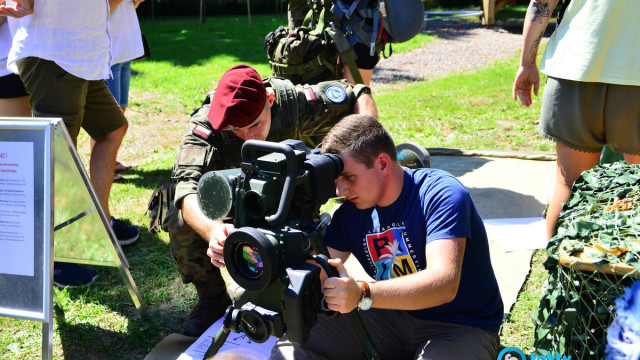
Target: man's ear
271,97
383,162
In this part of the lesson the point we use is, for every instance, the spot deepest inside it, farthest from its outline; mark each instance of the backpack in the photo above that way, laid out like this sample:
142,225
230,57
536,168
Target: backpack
301,55
309,54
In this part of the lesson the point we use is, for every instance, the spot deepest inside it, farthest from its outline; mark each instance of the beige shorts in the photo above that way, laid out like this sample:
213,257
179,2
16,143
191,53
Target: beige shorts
585,116
86,104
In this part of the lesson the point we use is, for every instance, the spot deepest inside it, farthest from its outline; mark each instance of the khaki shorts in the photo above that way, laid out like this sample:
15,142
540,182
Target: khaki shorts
585,116
86,104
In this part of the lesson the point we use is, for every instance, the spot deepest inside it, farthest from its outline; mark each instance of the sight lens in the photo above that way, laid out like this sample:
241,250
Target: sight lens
253,260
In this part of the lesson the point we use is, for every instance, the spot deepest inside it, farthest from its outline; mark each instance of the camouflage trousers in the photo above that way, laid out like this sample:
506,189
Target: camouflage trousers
190,252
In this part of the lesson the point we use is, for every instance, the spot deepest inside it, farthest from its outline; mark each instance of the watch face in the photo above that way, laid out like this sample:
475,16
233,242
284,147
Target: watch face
365,303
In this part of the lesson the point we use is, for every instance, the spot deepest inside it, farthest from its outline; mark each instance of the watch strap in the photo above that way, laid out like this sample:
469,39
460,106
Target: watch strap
366,290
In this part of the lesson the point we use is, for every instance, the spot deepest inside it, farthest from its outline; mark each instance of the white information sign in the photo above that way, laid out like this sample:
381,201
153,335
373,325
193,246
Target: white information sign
16,208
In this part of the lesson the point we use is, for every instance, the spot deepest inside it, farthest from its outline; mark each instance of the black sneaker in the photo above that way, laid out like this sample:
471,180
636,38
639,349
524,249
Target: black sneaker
72,275
126,234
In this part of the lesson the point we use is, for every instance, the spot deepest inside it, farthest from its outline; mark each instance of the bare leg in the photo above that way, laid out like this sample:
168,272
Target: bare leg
92,142
632,159
15,107
102,165
570,164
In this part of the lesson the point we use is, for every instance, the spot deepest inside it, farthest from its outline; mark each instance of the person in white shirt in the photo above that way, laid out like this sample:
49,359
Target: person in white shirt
126,45
14,99
61,51
593,85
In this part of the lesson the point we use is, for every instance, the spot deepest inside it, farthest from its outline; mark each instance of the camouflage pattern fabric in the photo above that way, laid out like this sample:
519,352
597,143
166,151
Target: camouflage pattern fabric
299,112
190,252
159,205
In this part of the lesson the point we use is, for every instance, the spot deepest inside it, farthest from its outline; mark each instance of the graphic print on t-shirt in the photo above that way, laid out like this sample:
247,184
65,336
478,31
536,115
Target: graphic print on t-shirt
389,253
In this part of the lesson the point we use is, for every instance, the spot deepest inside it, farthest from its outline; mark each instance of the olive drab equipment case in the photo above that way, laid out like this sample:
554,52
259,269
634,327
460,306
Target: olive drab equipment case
309,54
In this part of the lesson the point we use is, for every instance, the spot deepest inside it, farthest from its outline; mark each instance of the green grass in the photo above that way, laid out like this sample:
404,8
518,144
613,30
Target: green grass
467,110
185,57
517,329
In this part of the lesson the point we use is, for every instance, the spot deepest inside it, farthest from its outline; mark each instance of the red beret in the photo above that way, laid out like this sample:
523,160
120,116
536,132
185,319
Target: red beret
238,100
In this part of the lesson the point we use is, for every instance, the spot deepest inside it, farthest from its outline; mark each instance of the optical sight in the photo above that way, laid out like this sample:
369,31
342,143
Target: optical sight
274,198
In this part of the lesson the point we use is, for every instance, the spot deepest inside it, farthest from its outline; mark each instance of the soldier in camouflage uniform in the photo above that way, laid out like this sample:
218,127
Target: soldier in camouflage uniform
243,107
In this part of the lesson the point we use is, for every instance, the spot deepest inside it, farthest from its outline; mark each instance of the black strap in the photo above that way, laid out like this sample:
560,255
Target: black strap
73,219
347,54
565,4
285,91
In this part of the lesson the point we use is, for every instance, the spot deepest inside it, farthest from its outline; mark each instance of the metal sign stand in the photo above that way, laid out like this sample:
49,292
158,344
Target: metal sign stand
83,233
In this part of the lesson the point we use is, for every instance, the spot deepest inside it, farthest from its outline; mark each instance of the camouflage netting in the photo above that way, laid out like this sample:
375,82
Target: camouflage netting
592,258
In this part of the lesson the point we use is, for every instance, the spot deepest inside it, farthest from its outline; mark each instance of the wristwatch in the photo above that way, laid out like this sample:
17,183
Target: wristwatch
365,301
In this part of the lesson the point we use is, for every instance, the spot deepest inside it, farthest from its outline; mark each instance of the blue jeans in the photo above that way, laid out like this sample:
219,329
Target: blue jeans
119,84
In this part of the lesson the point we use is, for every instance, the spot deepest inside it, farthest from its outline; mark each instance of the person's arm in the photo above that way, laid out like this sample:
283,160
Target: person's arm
365,105
215,232
433,286
22,8
535,23
114,4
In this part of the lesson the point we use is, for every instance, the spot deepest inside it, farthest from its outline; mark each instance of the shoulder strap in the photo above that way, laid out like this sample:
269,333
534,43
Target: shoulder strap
347,54
286,97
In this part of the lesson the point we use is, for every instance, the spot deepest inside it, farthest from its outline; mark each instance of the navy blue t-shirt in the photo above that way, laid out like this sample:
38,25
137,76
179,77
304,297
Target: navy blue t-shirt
390,242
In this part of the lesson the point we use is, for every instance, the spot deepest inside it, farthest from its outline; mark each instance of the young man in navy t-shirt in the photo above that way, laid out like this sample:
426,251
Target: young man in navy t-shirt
419,235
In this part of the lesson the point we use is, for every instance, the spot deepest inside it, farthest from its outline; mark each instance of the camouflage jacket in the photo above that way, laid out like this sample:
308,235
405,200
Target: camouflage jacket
301,112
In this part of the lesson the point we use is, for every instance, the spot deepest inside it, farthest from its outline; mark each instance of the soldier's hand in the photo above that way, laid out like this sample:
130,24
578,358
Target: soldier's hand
216,243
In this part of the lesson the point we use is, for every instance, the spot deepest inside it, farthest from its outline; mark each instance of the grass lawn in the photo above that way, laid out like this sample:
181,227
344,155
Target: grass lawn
469,111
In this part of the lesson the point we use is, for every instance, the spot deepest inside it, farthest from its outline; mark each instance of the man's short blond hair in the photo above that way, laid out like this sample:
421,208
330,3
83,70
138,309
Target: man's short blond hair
360,136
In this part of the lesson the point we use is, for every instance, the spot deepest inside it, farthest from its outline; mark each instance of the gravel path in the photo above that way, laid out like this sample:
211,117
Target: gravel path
460,46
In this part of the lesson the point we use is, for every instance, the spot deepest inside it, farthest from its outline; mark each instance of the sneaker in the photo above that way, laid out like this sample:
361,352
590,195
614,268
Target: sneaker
126,234
72,275
206,312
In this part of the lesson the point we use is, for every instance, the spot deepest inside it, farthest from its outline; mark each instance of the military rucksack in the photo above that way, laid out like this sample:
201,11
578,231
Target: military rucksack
301,55
309,54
